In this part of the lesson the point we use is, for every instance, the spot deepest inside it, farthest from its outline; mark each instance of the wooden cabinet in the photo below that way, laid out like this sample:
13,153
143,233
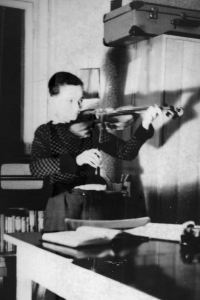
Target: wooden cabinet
166,70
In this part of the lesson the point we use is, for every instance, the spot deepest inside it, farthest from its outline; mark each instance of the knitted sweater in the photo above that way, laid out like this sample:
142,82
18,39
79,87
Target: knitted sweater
55,148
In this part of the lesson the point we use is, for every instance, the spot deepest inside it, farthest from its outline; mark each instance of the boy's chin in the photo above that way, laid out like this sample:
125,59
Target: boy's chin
68,119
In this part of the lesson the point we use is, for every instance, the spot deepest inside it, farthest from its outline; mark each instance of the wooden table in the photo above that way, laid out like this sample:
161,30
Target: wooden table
148,270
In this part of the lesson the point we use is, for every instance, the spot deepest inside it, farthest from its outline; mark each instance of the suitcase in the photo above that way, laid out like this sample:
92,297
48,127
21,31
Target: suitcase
138,21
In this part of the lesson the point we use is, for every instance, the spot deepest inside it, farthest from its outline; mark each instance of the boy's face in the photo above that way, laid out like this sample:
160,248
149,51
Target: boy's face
68,102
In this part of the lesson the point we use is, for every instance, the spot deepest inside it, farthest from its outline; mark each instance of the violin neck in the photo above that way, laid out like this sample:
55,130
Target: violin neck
128,111
136,110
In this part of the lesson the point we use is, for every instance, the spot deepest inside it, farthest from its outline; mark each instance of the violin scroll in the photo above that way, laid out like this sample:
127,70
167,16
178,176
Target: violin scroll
172,111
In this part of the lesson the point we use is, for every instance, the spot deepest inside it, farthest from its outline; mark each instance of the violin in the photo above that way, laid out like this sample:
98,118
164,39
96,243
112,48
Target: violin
124,117
113,119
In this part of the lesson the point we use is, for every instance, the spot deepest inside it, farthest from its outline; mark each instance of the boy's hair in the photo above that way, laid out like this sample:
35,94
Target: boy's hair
62,78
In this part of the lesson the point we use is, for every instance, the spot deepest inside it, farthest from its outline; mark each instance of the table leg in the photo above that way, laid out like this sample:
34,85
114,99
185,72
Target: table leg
24,283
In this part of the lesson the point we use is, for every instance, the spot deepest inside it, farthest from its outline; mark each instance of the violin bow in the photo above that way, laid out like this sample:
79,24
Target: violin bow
100,138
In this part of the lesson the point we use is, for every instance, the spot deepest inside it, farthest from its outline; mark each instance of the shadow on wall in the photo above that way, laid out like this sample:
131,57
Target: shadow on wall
111,93
171,98
114,59
177,200
174,196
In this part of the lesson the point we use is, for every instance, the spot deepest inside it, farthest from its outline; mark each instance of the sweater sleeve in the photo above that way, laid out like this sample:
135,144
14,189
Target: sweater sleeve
42,163
126,150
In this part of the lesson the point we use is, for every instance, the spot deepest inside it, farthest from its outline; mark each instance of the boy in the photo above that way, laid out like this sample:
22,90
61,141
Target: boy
69,155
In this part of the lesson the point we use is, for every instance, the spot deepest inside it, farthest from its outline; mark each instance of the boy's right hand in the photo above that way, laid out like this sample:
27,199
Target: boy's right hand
91,157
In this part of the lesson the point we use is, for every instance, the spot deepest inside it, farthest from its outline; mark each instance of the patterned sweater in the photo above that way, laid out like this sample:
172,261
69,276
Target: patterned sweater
55,148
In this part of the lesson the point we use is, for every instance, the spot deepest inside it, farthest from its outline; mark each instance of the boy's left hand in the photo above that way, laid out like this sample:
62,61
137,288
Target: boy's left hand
150,115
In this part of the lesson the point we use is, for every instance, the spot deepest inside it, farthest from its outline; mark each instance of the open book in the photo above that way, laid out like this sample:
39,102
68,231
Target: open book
91,242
